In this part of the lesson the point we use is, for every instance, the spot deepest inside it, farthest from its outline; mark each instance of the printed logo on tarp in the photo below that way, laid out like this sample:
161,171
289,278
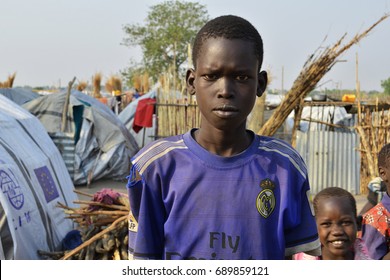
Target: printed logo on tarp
47,183
11,189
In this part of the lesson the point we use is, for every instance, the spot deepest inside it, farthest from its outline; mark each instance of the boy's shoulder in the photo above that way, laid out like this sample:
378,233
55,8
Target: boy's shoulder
157,149
272,144
282,149
375,221
269,139
375,213
161,144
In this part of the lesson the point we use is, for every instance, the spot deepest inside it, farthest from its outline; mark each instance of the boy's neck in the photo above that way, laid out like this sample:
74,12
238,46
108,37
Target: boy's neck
223,143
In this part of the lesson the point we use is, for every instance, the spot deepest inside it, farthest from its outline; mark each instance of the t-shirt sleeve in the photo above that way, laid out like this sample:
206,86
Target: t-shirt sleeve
146,234
303,237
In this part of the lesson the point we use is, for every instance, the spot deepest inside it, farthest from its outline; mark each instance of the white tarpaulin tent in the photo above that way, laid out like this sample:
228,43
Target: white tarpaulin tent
325,114
99,142
33,179
19,95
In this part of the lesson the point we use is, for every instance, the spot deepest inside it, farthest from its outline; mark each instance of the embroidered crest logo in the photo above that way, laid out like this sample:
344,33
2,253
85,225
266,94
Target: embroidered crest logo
265,201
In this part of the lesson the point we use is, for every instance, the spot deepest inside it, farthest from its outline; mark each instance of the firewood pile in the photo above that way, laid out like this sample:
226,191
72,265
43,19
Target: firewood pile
102,224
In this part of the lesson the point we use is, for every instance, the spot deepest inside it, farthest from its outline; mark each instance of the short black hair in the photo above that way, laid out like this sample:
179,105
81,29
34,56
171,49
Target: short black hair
334,192
383,155
228,27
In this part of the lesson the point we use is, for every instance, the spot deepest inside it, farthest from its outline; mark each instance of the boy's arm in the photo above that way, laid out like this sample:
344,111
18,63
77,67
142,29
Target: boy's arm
146,226
303,237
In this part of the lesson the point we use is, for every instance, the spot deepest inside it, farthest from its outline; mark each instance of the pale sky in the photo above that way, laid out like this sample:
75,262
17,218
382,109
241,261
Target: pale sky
48,42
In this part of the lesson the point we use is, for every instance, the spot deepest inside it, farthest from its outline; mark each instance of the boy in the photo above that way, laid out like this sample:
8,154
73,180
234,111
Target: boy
376,222
220,191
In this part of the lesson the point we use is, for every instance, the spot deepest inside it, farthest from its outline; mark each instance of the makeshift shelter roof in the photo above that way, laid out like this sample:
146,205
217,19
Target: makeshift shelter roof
19,95
33,180
91,133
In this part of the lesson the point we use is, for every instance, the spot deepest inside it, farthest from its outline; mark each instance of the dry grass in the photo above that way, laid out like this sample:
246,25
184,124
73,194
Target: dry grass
114,83
373,129
96,81
82,85
9,82
141,82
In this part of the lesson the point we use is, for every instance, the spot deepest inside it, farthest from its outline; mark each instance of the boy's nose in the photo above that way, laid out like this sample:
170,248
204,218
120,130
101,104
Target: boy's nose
225,88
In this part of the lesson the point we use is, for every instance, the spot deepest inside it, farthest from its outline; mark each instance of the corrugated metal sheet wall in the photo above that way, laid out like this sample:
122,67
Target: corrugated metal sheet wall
66,146
332,159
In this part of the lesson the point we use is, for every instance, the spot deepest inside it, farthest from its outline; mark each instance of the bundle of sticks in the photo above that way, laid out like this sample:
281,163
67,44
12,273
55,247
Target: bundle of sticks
103,226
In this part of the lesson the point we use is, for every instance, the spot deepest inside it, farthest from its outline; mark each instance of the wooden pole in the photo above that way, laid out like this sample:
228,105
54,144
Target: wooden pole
297,119
65,109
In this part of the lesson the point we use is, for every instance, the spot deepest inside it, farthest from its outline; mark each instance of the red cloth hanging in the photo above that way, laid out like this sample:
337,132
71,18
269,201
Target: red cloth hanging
144,114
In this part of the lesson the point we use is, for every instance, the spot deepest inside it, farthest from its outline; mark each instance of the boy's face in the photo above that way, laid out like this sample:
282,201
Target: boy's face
226,81
337,228
384,173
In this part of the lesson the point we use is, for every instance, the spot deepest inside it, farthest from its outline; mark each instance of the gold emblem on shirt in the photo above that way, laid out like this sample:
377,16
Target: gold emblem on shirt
265,201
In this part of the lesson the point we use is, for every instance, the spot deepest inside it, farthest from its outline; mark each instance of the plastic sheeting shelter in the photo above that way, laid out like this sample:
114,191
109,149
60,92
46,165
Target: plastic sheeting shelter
33,179
101,144
325,114
19,95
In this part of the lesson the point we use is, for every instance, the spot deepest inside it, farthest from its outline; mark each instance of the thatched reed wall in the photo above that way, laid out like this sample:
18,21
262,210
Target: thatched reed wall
176,114
373,129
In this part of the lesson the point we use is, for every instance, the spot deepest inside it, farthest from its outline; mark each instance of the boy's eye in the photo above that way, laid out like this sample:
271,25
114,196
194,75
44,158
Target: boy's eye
210,77
242,77
347,223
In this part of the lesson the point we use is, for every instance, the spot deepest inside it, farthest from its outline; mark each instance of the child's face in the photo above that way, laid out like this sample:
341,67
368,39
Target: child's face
225,82
336,224
384,172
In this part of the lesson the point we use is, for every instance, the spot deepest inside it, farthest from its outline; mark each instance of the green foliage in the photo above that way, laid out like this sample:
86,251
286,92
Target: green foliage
170,27
386,86
134,69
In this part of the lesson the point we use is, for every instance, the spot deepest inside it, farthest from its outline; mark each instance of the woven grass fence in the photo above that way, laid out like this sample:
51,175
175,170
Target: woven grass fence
177,111
373,129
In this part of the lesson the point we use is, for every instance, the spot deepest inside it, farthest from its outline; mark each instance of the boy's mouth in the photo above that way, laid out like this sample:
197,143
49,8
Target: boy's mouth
225,110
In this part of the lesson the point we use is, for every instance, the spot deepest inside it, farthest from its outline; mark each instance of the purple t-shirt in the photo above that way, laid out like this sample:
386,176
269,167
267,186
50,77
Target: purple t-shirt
197,205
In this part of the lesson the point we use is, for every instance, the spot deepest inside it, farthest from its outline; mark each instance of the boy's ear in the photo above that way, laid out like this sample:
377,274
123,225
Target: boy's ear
382,173
190,81
262,79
